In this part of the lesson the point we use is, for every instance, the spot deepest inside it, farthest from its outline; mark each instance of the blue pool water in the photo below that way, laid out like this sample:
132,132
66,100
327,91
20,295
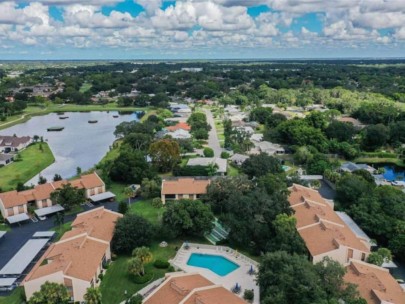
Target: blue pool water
217,264
392,174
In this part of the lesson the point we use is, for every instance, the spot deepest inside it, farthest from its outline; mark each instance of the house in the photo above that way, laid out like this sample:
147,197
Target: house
78,259
256,138
238,159
221,163
179,126
245,129
13,203
183,188
351,167
6,159
180,108
180,134
269,148
14,143
375,284
355,122
190,288
325,234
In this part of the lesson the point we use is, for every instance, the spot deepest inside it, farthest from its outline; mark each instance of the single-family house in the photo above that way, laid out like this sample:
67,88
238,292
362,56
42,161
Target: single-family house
351,167
222,164
256,138
375,284
325,234
184,188
246,129
190,288
270,148
13,203
13,143
179,126
355,122
77,260
180,134
6,159
238,159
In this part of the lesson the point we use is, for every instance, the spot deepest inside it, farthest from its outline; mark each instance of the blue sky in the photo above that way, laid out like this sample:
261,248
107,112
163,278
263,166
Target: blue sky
201,29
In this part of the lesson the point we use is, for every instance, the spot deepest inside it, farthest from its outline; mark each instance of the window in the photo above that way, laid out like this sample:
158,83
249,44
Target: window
170,196
363,256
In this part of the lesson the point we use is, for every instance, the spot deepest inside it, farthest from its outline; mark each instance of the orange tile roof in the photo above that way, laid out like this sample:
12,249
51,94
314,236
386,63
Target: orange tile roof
98,223
213,295
318,224
185,186
41,192
181,125
77,257
375,284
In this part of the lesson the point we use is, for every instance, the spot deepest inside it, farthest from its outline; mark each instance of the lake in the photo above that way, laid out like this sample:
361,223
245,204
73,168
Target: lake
80,144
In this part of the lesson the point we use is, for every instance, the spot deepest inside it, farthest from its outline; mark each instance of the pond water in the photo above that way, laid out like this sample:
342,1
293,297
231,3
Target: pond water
80,144
394,173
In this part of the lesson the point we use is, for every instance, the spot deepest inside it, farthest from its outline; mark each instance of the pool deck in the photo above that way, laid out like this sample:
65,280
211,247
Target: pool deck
240,275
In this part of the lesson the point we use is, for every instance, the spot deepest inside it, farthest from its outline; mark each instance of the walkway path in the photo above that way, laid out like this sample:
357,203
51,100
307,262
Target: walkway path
213,141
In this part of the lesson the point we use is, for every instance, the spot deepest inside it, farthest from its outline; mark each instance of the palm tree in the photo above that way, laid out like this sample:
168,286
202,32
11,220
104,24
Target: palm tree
135,266
142,253
93,296
128,193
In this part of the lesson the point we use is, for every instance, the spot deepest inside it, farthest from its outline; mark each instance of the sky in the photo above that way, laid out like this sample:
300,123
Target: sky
201,29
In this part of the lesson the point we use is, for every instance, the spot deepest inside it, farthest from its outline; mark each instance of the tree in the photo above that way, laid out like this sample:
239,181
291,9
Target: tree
274,120
123,207
130,232
78,171
57,177
137,299
188,217
165,154
93,296
380,256
350,188
150,188
138,141
143,253
341,131
397,132
130,167
59,219
42,180
136,267
68,196
303,155
208,152
375,136
261,115
259,165
50,293
129,192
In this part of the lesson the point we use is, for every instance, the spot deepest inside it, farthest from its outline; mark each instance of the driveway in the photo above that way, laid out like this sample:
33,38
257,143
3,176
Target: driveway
213,141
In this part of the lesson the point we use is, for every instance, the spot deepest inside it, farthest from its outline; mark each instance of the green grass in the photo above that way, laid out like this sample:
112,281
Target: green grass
232,170
118,190
117,280
85,87
378,160
61,230
16,297
33,161
4,227
146,210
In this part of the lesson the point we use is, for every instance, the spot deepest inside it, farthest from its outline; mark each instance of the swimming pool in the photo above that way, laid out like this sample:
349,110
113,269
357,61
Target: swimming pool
216,263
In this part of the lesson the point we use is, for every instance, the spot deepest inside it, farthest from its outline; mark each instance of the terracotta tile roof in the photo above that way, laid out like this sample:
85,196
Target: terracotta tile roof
185,186
318,224
176,288
77,257
212,295
91,181
98,223
43,191
180,125
12,199
375,284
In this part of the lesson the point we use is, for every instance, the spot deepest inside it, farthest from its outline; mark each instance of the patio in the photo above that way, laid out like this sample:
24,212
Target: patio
240,276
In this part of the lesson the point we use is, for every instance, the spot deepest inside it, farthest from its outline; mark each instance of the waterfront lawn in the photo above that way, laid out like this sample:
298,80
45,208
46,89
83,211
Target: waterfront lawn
147,211
116,280
16,297
33,162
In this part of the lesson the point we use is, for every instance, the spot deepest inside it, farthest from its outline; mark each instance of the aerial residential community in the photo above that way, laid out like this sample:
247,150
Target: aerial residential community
202,152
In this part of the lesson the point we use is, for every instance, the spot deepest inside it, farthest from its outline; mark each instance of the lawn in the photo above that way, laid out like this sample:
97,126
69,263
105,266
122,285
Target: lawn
4,227
232,170
85,87
33,161
378,160
118,190
146,210
16,297
116,281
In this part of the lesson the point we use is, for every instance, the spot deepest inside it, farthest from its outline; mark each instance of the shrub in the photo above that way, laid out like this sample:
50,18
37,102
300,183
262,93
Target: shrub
248,295
157,202
101,276
142,279
171,269
208,152
225,155
123,207
161,264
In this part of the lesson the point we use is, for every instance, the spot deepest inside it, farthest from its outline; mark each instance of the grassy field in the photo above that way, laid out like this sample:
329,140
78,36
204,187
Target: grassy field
146,210
232,170
85,87
378,160
15,298
33,161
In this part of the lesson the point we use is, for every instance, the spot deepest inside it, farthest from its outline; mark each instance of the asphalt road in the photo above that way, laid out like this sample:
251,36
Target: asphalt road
213,141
